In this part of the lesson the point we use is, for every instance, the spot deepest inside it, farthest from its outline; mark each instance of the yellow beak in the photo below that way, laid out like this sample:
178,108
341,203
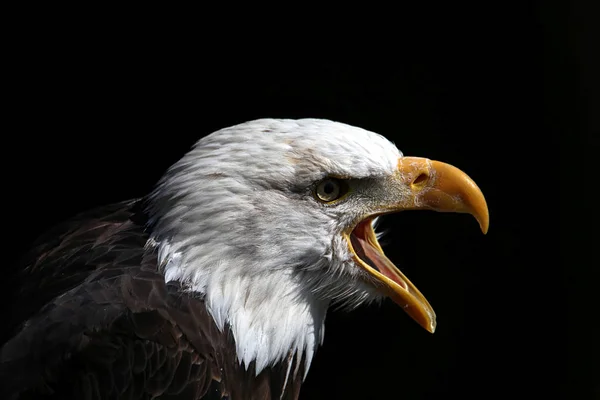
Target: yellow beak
419,184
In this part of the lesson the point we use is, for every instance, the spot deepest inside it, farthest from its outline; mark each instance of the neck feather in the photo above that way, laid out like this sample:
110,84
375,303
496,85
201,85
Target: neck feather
272,316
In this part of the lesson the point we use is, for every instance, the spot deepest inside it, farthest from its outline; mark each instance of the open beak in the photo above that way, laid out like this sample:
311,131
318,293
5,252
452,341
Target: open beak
419,184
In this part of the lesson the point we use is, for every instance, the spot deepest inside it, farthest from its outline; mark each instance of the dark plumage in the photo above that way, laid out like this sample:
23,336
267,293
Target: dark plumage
109,326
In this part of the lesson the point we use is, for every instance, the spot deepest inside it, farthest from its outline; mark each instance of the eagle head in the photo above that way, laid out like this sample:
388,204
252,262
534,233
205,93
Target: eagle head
272,221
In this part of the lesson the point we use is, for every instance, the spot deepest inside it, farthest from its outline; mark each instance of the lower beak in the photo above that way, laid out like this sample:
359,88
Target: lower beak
419,184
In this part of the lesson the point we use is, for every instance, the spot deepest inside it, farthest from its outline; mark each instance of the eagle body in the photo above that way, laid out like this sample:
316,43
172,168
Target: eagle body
109,326
217,283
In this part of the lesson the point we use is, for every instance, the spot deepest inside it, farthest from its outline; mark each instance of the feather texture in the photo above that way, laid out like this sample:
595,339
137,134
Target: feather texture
267,256
117,330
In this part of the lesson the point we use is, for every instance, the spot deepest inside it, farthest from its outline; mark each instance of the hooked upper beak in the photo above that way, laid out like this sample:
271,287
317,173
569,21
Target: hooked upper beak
419,184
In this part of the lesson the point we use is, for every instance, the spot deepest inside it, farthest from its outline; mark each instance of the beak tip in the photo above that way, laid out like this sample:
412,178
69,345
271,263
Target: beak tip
431,327
430,323
484,227
484,222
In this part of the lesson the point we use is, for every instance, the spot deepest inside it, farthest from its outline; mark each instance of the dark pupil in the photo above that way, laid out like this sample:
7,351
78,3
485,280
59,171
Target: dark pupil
329,188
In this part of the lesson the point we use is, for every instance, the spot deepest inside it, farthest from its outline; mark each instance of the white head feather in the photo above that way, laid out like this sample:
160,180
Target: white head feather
236,221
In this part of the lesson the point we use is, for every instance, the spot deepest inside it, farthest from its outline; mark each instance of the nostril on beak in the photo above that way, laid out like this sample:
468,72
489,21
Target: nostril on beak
421,179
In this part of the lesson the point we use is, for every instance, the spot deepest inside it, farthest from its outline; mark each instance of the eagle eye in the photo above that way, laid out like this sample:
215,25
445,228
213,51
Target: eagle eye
330,189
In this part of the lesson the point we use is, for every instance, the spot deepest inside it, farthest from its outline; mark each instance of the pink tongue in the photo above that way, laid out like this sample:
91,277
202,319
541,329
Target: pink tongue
380,261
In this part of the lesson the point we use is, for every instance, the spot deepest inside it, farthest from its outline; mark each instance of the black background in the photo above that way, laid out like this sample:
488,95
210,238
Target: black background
100,108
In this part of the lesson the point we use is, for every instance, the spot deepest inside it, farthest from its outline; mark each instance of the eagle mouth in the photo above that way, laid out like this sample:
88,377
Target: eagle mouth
419,184
366,247
368,255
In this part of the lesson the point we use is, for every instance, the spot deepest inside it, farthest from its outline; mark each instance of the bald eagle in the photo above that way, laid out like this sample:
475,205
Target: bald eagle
216,284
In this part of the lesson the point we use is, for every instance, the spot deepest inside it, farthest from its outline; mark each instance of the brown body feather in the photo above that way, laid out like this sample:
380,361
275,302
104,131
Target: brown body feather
94,319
